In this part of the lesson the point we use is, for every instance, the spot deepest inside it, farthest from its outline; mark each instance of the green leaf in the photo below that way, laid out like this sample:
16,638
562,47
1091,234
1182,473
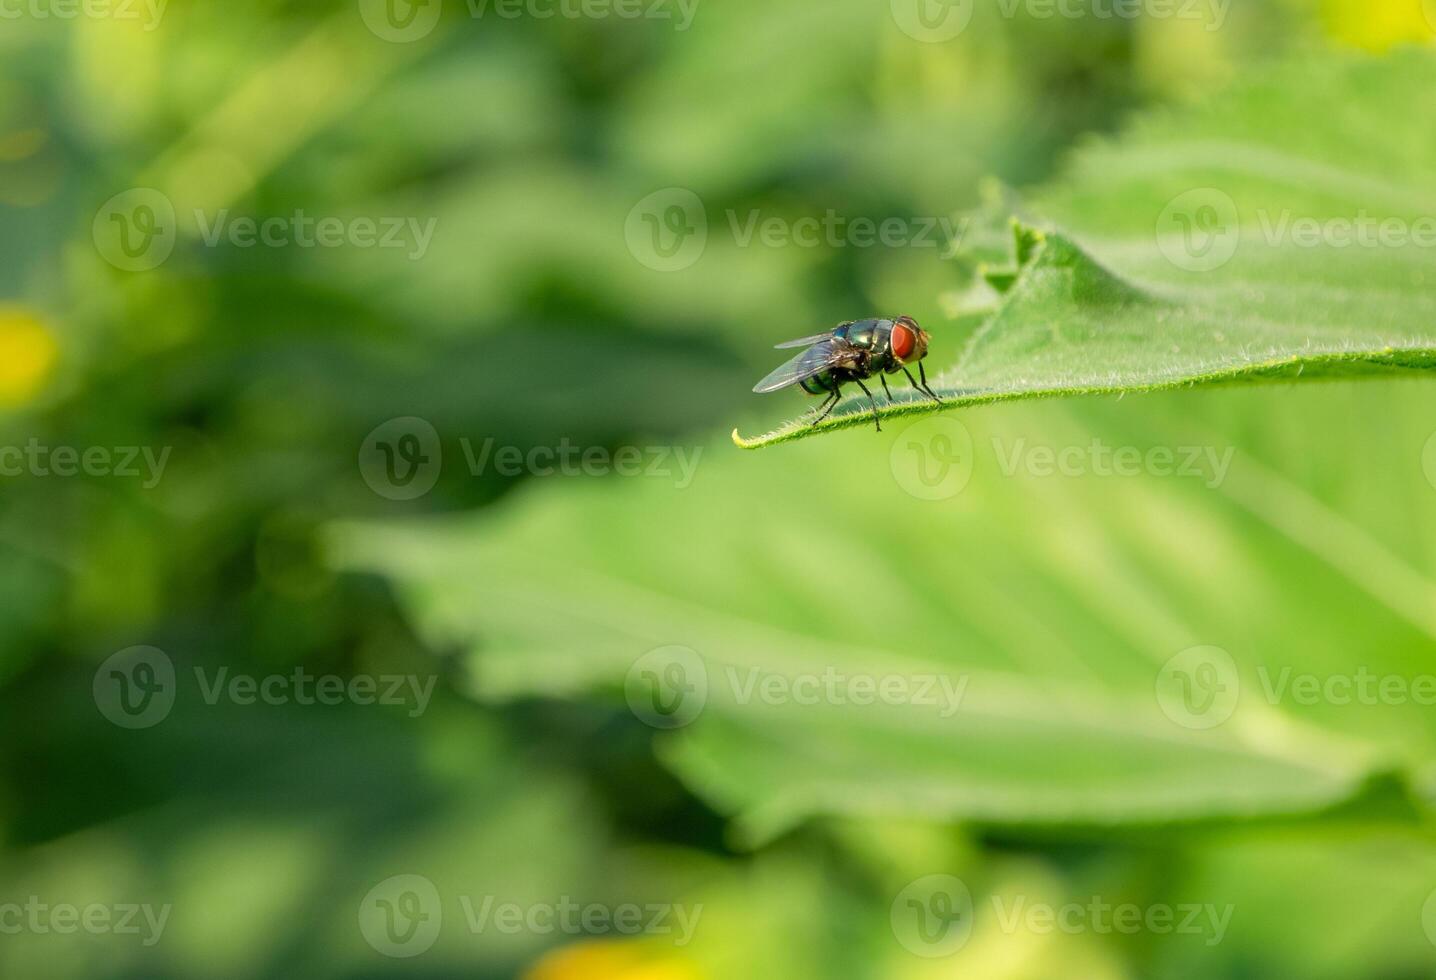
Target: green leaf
1057,599
1283,230
968,552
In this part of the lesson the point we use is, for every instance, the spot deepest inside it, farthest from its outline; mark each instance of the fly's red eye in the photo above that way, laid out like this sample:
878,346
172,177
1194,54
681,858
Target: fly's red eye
903,341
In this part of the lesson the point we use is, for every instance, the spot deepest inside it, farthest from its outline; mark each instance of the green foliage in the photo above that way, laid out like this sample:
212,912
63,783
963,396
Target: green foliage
1215,244
1056,599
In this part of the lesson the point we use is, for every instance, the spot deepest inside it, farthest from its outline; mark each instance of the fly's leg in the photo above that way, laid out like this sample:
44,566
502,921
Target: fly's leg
921,387
922,376
886,389
877,419
827,406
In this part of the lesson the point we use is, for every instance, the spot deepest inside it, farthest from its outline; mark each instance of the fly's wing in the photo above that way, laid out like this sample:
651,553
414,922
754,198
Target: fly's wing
804,341
816,359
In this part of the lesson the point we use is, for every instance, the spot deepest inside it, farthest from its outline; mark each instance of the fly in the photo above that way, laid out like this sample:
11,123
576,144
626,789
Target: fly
854,351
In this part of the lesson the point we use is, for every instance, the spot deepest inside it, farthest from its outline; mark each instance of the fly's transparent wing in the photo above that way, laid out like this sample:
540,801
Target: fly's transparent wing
814,360
804,341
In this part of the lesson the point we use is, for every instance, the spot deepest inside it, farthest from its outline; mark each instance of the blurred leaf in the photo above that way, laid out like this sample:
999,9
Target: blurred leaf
1283,230
262,827
1057,599
1320,905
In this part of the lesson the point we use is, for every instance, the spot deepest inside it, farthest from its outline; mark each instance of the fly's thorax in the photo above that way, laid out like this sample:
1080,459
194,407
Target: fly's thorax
869,335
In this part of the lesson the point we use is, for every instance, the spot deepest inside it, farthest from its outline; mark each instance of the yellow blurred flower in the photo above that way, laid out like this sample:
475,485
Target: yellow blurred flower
1378,24
612,961
20,144
28,352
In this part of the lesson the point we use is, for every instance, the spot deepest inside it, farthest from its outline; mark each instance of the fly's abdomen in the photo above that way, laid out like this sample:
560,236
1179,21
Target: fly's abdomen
820,384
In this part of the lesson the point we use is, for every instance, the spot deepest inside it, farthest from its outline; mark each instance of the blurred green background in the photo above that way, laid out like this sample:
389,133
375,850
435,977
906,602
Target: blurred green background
525,143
